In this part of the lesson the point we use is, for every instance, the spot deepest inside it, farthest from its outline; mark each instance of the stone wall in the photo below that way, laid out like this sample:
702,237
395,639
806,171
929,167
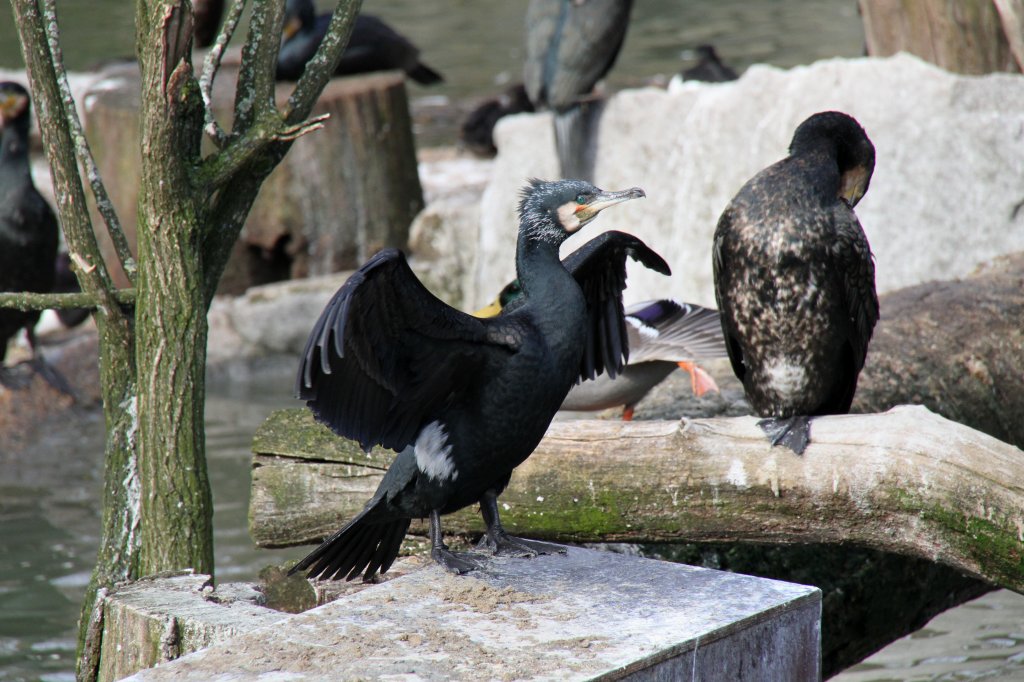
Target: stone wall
945,196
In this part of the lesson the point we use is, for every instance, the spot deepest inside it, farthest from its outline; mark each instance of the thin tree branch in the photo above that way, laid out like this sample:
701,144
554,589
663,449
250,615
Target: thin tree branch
67,181
254,98
321,67
210,67
32,301
220,169
82,149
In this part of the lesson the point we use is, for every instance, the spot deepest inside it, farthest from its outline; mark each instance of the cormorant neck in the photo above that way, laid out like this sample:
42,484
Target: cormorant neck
537,262
14,166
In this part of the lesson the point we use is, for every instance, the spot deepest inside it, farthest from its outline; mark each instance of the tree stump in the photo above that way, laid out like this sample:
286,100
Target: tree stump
963,36
341,193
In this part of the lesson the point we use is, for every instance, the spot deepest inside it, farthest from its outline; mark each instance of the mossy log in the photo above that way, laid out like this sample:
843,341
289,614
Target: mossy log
963,36
905,481
340,194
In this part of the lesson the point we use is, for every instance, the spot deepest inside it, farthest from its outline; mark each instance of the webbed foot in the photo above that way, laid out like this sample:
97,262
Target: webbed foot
503,544
793,432
454,563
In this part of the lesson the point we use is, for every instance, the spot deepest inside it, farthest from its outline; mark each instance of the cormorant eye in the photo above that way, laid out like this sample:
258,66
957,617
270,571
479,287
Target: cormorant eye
581,198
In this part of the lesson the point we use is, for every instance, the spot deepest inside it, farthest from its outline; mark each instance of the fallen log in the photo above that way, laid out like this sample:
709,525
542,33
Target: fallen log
906,481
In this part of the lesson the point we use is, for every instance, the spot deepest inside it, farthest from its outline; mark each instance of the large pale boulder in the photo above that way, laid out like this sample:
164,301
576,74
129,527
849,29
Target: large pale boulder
949,175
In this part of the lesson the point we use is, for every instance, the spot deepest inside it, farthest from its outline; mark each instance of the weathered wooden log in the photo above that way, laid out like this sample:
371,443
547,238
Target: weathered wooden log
956,347
963,36
162,617
340,194
906,481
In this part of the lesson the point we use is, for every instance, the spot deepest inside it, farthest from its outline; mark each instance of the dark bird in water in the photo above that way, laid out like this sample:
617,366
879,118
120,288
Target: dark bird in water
477,132
28,227
662,336
372,46
206,16
710,68
464,400
795,281
570,46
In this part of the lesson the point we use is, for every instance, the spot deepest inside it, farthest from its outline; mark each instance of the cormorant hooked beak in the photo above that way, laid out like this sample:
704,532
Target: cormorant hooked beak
11,106
854,183
576,214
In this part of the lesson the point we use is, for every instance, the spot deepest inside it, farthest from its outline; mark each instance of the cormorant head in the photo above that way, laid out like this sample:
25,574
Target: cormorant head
844,140
551,211
707,53
298,14
14,104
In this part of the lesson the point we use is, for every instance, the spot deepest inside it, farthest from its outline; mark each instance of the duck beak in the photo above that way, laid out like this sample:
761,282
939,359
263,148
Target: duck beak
291,27
11,105
587,212
492,309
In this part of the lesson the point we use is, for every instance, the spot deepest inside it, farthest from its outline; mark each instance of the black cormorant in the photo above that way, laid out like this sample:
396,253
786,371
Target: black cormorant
464,400
28,227
570,46
710,68
662,336
795,281
206,16
477,131
373,46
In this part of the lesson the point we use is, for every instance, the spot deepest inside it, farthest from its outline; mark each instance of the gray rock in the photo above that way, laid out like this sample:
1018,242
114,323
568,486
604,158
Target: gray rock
948,175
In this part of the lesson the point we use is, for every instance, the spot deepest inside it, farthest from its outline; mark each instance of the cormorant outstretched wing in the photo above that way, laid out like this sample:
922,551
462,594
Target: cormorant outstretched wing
386,352
599,267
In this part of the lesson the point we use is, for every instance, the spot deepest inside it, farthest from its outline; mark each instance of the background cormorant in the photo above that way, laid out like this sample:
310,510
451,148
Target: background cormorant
477,130
710,68
464,400
570,46
662,336
28,227
373,46
795,281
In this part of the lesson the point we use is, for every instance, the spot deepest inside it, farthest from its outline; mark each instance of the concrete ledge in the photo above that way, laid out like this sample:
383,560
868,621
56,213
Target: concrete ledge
588,615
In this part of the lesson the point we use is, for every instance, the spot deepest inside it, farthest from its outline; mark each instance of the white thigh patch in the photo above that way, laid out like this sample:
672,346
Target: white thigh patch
433,453
786,378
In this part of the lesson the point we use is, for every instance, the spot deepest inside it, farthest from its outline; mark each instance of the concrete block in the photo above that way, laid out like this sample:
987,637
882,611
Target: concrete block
585,615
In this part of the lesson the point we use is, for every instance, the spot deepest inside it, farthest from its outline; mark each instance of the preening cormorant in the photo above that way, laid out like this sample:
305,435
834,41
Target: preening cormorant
464,400
570,46
710,68
795,281
373,46
662,336
28,227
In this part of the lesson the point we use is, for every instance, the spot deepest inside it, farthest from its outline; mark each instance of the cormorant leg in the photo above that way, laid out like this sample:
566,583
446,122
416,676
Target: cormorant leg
793,432
500,542
440,553
700,381
47,371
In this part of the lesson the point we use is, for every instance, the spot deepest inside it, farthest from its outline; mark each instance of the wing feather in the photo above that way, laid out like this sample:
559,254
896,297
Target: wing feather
386,353
599,267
